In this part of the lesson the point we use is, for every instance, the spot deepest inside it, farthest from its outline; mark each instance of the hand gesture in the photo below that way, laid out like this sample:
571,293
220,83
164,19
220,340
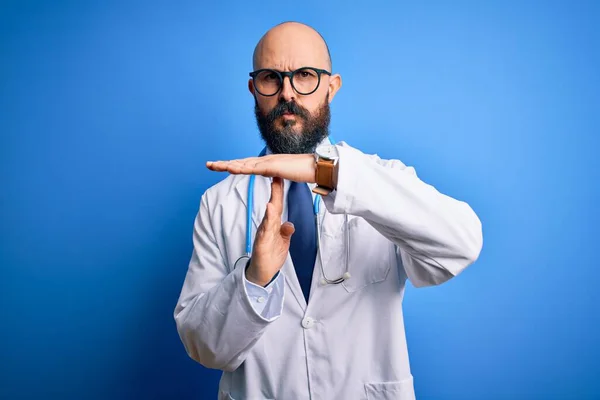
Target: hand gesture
293,167
272,240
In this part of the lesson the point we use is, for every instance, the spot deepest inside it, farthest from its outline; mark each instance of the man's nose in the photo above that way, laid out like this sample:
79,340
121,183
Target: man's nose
287,91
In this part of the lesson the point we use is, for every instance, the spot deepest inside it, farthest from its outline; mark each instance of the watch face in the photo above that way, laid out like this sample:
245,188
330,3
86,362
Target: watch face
327,151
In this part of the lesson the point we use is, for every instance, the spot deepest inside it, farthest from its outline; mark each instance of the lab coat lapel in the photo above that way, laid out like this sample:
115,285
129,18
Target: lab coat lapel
262,194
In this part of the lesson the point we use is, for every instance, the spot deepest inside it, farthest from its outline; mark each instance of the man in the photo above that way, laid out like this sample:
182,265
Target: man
316,311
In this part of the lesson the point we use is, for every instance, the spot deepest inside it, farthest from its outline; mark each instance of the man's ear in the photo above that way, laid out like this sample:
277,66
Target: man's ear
251,87
335,83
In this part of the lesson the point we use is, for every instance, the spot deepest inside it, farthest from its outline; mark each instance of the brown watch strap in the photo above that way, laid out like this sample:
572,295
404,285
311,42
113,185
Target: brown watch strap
325,177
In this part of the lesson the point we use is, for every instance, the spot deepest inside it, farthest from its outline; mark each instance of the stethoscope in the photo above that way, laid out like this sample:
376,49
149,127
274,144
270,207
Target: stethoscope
316,208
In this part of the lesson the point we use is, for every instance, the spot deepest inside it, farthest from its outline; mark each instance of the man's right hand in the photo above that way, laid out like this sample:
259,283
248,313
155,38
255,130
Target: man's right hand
272,241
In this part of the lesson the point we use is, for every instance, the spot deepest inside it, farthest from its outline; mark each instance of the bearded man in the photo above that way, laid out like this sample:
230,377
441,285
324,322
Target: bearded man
296,280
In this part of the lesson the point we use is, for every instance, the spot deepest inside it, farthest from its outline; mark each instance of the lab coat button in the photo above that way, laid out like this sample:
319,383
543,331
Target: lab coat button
308,323
260,299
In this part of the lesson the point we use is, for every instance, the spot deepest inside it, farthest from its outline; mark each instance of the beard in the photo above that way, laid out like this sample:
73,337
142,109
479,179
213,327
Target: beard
287,140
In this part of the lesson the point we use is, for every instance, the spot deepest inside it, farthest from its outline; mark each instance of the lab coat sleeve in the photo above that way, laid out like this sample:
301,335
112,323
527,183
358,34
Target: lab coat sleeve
266,301
436,236
215,319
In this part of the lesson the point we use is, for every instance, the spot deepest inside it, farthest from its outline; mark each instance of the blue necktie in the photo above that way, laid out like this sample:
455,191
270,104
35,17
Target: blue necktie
303,245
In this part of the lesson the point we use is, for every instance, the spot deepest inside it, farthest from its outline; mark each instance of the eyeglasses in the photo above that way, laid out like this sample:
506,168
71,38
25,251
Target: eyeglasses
305,80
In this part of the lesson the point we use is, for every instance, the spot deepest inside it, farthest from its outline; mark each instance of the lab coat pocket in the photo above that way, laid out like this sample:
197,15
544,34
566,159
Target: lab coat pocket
369,255
400,390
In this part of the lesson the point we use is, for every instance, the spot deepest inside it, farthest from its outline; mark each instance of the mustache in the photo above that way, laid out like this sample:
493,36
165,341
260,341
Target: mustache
287,107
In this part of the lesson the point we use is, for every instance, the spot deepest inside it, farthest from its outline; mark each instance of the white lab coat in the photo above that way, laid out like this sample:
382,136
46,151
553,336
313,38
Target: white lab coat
349,341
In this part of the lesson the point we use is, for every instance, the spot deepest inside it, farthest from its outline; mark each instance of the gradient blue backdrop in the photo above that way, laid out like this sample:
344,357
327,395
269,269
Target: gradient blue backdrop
108,112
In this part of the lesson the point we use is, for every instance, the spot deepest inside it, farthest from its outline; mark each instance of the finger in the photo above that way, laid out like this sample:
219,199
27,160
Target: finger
262,228
271,222
212,165
219,166
266,228
246,166
286,231
277,195
233,166
268,166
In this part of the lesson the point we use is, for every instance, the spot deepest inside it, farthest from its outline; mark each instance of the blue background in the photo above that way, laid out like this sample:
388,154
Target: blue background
109,110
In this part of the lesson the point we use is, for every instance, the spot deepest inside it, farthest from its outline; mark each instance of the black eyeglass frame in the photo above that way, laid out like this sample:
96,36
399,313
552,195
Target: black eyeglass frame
290,75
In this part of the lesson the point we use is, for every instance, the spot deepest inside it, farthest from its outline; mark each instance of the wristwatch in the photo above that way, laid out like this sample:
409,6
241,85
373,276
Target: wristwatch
326,158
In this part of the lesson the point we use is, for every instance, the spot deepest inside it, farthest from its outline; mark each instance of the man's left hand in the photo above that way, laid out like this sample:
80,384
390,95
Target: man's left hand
293,167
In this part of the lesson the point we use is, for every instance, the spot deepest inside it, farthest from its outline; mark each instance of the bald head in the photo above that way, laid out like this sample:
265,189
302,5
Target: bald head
292,110
291,45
